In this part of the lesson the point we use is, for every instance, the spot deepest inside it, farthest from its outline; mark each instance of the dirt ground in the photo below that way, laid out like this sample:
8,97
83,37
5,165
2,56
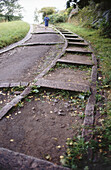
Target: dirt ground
41,124
25,63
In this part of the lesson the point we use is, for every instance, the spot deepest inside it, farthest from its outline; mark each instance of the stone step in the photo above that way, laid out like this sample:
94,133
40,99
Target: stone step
78,43
75,39
61,85
74,62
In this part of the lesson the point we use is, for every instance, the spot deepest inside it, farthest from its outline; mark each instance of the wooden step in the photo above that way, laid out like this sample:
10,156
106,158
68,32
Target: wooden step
45,32
78,50
75,39
64,32
41,43
76,59
71,36
78,43
74,62
61,85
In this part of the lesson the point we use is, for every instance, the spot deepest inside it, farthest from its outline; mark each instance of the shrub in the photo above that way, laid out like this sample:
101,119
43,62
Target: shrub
57,18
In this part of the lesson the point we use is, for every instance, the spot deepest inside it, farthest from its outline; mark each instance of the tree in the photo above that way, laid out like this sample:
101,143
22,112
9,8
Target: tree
83,3
48,11
36,15
10,8
70,3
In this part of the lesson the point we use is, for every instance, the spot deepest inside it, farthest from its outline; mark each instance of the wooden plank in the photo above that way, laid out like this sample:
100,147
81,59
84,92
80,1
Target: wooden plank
45,32
75,39
71,36
78,43
75,62
62,85
64,32
41,43
78,51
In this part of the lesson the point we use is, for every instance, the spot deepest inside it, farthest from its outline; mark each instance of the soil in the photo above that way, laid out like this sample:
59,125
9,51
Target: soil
42,125
69,75
77,58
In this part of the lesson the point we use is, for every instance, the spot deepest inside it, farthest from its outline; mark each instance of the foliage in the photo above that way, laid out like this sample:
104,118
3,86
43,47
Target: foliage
70,3
56,18
10,9
48,11
77,153
11,32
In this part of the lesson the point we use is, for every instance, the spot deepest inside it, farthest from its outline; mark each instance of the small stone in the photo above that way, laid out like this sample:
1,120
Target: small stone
33,108
67,105
56,101
55,110
62,126
69,101
37,119
17,92
61,113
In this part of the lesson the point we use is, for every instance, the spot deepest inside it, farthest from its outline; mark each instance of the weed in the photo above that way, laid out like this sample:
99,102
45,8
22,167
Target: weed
71,66
19,88
35,89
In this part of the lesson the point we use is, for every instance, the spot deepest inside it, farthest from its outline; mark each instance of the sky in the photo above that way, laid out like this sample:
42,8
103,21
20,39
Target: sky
30,5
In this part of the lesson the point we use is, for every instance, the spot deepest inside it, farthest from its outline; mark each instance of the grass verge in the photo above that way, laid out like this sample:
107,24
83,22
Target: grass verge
11,32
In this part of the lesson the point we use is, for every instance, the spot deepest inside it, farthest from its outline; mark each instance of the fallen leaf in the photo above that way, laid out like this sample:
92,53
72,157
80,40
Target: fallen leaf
58,147
11,140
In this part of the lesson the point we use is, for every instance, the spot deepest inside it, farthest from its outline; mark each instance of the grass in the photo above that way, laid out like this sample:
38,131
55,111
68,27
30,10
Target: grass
101,145
11,32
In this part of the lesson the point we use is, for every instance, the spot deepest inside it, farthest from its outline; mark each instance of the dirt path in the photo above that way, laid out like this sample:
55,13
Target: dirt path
24,63
40,124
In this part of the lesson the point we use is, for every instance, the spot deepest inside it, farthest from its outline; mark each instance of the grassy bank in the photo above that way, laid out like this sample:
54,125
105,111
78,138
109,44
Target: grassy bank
101,145
11,32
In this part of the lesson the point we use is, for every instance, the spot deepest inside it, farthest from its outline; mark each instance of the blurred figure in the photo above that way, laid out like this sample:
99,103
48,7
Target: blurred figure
46,20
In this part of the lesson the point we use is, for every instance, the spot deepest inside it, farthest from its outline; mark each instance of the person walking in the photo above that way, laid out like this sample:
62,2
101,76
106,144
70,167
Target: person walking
46,20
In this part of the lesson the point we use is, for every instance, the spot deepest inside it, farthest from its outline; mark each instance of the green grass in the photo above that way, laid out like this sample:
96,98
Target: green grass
11,32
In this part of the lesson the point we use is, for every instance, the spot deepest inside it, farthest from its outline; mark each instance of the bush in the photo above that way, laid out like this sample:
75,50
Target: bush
57,18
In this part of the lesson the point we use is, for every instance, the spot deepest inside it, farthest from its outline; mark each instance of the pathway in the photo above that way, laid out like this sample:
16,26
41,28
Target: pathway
70,65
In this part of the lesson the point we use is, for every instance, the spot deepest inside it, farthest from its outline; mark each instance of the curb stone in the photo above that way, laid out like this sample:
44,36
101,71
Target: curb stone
13,160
